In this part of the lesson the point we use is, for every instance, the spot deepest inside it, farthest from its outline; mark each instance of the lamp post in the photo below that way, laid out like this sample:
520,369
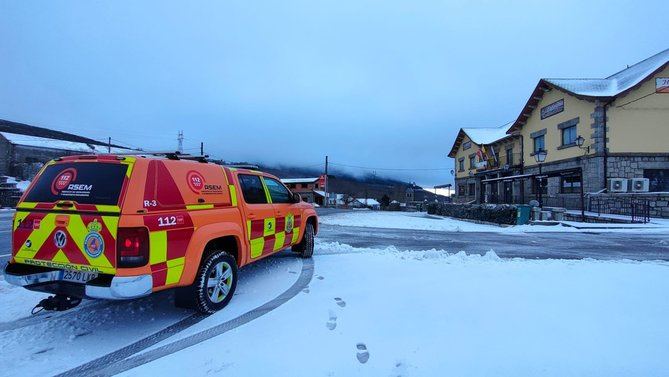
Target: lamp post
540,157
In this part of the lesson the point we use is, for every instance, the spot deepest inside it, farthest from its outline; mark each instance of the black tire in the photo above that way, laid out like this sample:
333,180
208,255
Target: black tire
198,296
305,249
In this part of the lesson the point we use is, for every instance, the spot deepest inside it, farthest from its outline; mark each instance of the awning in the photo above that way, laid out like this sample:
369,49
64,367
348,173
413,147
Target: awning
548,174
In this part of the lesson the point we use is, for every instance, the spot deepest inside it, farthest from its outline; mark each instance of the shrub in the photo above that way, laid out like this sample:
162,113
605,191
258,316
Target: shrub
495,213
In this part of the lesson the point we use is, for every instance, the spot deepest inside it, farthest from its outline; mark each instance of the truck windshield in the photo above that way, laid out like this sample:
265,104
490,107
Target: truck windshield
81,182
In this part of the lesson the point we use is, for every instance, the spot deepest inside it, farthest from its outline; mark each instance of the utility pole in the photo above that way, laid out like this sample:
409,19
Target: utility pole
180,139
109,145
326,183
201,148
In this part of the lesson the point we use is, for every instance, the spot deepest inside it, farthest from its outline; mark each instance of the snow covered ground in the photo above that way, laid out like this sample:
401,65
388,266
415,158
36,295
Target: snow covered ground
384,312
423,221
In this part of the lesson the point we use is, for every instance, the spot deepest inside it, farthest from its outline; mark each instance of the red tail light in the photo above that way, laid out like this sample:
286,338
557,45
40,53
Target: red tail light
132,247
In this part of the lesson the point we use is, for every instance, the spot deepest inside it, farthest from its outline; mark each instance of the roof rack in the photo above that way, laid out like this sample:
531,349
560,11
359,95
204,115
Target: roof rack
242,166
172,155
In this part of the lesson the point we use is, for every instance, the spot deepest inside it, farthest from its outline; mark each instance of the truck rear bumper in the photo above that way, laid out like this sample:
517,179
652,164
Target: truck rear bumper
106,287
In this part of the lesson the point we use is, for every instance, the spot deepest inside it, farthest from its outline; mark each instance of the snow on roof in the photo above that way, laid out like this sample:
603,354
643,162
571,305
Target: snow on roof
299,180
43,142
616,83
487,135
368,201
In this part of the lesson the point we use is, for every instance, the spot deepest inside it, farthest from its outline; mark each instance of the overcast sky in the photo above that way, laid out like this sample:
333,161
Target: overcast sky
383,84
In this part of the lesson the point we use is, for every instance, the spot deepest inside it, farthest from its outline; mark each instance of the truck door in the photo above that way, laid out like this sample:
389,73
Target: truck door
287,214
260,221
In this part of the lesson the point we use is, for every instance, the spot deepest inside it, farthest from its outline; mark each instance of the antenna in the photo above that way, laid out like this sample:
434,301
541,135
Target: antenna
180,139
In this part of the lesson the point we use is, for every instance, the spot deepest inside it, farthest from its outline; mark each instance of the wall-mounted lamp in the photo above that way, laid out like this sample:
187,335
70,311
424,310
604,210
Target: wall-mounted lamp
579,142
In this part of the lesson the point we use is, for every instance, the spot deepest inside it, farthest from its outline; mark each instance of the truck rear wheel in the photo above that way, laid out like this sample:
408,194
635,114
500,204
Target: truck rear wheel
214,285
305,248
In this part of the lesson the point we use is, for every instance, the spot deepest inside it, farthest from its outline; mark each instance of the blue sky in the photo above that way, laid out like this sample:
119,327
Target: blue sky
370,83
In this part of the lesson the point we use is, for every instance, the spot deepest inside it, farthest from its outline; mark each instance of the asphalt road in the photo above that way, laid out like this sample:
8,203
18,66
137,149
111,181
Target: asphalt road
636,246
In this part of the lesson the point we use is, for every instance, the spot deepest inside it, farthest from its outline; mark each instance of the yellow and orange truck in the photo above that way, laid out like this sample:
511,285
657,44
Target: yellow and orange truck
125,226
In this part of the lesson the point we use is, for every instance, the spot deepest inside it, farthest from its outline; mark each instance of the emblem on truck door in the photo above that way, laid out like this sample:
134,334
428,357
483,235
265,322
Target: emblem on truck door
60,239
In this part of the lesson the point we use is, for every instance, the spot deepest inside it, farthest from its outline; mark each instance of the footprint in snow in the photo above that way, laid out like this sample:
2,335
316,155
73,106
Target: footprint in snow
362,354
332,322
340,302
306,290
319,277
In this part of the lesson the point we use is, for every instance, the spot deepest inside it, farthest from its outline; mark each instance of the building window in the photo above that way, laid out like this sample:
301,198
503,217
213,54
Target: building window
570,185
461,190
569,136
472,189
658,179
509,157
461,164
544,186
472,162
539,143
466,145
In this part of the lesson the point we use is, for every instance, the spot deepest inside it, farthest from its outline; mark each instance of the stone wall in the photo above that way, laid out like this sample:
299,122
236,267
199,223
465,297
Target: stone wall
5,156
658,201
632,166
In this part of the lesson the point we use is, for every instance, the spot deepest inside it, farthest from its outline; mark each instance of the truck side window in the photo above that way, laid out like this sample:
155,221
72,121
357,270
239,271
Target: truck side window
277,192
252,189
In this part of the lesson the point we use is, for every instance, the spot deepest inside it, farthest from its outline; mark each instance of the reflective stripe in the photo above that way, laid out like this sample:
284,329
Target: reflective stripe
233,195
26,205
158,245
175,268
270,226
195,207
278,241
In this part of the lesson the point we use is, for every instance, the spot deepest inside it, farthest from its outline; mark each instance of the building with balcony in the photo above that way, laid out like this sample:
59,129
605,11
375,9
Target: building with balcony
575,138
486,153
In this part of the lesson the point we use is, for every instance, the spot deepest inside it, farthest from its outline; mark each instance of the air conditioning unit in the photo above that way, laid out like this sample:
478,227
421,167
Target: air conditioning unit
617,185
639,184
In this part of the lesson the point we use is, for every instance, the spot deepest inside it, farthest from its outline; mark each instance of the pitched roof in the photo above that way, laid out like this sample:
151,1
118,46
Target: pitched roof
72,146
609,87
25,129
618,82
299,180
480,136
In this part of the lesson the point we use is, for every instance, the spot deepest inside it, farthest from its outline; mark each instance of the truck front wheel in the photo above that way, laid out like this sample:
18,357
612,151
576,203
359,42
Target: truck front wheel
214,284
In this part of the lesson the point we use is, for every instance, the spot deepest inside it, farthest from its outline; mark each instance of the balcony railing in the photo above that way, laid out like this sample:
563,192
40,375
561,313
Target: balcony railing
502,161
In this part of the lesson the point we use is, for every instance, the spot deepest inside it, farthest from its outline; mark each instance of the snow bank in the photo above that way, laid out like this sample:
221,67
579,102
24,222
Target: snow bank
423,221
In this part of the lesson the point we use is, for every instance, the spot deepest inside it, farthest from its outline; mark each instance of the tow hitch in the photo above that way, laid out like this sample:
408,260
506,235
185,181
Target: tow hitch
56,303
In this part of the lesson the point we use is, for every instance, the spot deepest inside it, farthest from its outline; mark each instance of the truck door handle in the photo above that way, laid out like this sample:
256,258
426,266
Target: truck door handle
252,216
279,213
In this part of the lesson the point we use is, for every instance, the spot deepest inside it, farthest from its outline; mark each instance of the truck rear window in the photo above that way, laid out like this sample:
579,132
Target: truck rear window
83,182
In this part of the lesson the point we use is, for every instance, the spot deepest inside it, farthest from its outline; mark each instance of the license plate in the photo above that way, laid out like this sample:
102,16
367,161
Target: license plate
77,276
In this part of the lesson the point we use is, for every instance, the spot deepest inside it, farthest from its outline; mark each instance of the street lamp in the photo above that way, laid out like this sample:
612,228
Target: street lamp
540,157
579,142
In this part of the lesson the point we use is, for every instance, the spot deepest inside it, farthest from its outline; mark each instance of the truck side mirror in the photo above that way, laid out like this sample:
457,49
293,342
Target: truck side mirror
296,198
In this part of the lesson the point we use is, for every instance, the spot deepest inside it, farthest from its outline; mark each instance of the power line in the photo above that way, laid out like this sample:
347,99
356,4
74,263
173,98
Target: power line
388,169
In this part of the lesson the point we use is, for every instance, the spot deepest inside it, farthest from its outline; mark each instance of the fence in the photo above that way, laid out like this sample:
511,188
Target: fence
637,209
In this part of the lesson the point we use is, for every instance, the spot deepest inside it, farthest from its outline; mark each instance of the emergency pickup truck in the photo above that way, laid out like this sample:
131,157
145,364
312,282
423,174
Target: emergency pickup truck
122,227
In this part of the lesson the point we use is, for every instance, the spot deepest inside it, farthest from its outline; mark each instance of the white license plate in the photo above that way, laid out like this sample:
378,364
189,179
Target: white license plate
77,276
